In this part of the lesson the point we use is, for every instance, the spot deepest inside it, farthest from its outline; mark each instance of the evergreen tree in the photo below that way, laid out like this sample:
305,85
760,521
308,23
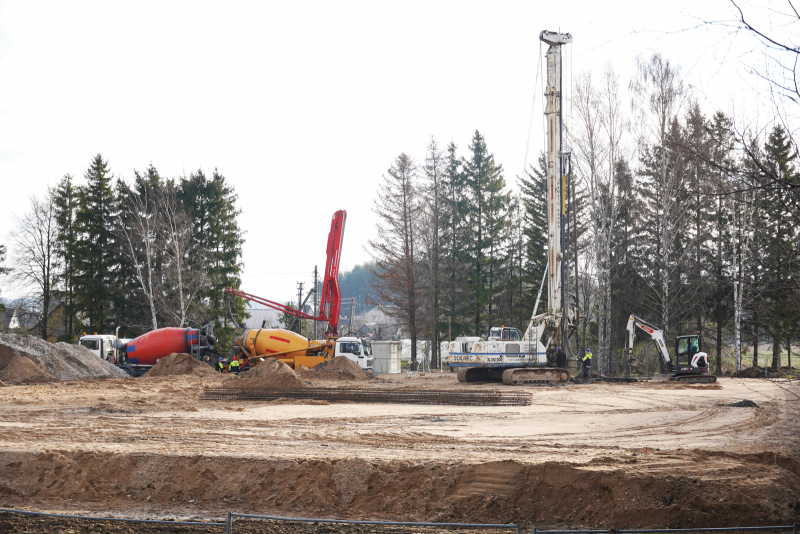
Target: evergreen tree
489,202
455,253
533,190
65,199
95,257
395,249
211,206
778,239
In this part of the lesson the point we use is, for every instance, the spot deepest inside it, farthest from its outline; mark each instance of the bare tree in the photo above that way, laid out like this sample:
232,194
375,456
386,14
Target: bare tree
139,231
35,258
597,142
658,95
184,272
394,249
432,234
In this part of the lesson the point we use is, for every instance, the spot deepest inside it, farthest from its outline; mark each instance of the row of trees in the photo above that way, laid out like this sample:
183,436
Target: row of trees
455,250
153,253
681,219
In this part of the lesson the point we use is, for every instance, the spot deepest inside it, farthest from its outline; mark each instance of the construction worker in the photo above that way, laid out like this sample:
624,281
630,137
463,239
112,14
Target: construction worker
234,366
561,358
587,366
220,365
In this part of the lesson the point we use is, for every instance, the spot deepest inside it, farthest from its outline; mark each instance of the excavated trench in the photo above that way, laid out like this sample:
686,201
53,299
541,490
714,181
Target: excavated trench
738,490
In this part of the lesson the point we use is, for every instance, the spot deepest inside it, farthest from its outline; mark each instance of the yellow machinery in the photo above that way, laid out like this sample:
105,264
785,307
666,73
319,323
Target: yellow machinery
289,347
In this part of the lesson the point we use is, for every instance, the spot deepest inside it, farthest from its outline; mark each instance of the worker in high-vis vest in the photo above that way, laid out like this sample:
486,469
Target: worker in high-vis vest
234,366
220,365
587,365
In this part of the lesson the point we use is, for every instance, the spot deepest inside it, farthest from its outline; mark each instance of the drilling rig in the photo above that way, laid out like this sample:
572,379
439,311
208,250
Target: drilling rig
508,355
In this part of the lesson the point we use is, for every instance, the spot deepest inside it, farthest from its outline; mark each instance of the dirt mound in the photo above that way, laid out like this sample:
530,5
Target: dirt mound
270,373
744,404
180,363
758,372
340,368
22,370
61,361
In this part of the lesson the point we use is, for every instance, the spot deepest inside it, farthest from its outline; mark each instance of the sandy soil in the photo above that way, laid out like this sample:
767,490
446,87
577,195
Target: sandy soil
601,454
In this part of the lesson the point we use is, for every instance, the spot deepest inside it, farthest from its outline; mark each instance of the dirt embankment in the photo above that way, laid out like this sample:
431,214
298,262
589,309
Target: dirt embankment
758,372
30,360
339,368
180,364
497,492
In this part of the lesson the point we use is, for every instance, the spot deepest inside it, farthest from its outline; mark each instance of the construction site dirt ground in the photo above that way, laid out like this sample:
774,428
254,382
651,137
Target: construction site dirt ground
600,455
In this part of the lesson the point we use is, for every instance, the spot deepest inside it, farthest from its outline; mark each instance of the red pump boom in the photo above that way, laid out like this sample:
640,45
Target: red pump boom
331,301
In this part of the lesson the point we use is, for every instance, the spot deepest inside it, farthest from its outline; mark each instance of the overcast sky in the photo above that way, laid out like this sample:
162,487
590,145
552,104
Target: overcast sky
303,106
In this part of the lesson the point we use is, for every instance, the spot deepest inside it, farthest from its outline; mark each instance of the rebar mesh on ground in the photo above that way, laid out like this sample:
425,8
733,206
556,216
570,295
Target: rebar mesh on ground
426,396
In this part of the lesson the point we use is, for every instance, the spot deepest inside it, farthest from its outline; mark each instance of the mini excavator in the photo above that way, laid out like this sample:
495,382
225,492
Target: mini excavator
690,364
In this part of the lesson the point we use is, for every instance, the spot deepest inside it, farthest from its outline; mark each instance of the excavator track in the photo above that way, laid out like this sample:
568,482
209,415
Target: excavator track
695,379
532,375
513,377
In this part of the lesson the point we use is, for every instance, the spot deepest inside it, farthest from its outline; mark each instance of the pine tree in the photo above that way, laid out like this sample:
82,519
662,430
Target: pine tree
65,199
533,190
435,220
778,259
395,249
455,253
95,257
211,206
489,202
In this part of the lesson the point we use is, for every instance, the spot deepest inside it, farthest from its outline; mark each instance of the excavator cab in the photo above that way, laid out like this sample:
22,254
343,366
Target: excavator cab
685,348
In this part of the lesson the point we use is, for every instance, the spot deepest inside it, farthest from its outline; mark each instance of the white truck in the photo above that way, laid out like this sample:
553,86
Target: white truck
104,346
357,350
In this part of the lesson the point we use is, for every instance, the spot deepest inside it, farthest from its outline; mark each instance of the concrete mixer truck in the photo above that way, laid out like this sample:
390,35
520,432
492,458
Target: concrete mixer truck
136,356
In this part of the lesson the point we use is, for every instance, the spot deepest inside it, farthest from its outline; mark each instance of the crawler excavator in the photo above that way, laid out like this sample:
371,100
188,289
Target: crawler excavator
690,364
507,355
255,345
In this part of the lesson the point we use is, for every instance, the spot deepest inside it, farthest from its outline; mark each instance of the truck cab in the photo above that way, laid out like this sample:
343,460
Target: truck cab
355,349
103,346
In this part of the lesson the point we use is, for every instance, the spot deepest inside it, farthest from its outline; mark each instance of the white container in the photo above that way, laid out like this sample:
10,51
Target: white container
386,356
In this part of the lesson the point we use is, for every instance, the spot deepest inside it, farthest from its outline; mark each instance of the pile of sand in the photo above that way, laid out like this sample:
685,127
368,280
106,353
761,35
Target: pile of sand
28,359
270,373
22,370
338,368
180,364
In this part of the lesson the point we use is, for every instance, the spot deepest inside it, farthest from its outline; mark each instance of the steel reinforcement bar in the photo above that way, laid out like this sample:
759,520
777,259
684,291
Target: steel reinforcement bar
429,396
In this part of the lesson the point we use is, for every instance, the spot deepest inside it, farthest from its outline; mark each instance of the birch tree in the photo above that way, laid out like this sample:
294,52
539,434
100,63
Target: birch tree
657,98
597,142
184,270
139,232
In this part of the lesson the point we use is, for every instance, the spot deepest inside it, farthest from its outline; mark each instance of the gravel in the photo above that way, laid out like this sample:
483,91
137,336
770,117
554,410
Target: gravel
64,361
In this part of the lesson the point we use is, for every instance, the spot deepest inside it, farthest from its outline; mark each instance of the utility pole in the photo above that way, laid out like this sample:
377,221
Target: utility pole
316,311
300,305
